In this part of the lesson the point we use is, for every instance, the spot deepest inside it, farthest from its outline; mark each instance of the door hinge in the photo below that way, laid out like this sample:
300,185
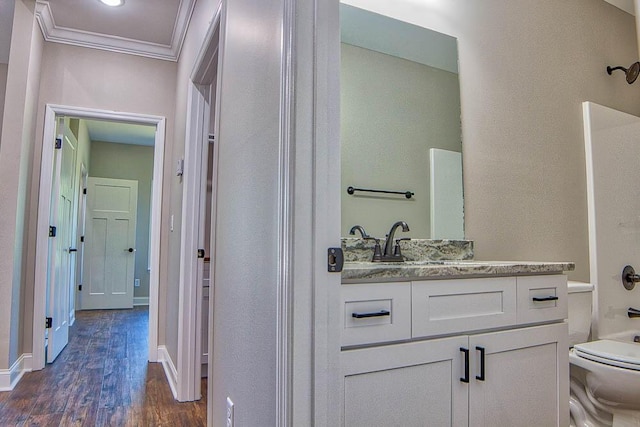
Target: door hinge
48,322
58,143
79,287
335,260
52,231
84,191
81,239
200,253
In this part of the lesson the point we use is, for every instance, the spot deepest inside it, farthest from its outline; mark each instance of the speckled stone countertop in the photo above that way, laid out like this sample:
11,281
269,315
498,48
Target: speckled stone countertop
358,272
360,250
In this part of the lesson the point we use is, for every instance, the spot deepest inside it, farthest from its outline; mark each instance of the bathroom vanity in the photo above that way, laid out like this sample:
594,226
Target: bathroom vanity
454,343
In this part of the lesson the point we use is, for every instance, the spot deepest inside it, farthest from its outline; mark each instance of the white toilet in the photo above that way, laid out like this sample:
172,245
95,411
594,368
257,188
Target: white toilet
605,373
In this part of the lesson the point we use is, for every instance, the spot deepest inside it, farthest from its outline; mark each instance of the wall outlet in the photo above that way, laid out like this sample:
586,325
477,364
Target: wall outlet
136,283
229,412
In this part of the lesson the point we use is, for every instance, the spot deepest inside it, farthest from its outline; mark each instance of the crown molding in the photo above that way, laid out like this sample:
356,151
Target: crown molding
53,33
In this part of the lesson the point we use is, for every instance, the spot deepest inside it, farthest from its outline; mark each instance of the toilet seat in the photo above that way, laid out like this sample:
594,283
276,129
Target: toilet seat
615,353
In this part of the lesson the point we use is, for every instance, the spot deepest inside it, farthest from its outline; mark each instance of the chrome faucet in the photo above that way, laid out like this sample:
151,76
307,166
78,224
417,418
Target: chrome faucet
390,254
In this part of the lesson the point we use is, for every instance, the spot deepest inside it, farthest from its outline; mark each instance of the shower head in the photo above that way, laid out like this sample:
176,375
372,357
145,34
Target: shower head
631,72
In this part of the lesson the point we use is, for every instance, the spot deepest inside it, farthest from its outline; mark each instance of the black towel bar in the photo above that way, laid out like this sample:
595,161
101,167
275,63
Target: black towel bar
407,194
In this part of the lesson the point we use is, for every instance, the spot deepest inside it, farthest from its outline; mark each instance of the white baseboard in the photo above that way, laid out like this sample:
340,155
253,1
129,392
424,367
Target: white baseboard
169,369
140,301
10,377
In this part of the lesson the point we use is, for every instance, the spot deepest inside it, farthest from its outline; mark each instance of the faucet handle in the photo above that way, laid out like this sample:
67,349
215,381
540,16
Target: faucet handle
377,250
396,249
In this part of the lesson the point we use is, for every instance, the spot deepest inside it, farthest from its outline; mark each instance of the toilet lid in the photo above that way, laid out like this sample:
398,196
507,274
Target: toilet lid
615,353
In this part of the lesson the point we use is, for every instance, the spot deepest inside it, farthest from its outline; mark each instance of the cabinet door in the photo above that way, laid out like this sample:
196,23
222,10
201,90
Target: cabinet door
526,378
412,384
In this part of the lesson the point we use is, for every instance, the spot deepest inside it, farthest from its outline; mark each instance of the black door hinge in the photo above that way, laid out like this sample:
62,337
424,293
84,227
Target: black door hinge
335,260
58,143
52,231
200,253
81,239
84,191
79,287
48,322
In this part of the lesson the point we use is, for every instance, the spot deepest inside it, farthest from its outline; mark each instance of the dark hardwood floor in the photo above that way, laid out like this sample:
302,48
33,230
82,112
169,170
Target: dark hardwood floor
102,378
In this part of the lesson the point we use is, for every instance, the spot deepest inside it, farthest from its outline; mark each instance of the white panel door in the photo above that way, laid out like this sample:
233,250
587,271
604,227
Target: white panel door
61,250
109,260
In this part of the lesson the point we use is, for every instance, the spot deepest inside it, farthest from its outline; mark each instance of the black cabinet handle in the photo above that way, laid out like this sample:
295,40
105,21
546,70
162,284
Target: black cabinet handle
380,313
550,298
465,379
73,250
481,376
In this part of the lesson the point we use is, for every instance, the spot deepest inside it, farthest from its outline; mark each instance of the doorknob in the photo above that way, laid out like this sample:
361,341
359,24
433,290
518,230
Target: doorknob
130,250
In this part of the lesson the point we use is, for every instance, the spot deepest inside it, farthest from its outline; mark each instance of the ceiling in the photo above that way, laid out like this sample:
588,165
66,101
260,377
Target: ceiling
121,133
153,28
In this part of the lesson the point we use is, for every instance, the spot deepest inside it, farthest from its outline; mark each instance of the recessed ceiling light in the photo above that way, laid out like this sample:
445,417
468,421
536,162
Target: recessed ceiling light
113,3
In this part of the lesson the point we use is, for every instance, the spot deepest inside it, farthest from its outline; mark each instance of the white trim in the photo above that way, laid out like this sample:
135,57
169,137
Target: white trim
44,205
53,33
169,369
286,200
10,377
191,206
140,301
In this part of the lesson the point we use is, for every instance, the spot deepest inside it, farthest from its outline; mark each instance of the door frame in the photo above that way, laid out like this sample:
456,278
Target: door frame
200,96
44,206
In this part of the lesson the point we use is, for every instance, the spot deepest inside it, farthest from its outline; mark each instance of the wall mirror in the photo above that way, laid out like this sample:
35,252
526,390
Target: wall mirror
400,127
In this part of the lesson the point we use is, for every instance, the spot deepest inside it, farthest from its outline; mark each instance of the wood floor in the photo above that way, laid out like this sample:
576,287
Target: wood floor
102,378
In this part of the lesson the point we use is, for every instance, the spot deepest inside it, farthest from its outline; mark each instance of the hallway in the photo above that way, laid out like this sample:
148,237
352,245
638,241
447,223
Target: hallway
102,378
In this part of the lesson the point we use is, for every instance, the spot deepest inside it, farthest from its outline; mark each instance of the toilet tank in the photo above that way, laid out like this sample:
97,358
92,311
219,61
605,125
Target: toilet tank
580,302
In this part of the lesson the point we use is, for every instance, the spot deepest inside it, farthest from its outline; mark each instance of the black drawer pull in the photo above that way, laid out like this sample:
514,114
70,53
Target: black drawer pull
541,299
481,376
380,313
465,379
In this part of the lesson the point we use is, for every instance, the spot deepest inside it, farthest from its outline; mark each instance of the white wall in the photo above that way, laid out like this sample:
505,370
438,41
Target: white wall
18,136
393,111
525,68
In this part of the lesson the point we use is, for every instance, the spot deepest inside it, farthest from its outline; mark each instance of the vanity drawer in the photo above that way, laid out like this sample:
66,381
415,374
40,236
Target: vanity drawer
449,306
542,298
373,313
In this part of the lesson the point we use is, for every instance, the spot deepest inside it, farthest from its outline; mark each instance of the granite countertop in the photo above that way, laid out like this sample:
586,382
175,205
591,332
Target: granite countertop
358,272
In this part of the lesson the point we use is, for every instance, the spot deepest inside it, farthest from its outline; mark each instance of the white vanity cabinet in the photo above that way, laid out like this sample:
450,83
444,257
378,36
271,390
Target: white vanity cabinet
479,353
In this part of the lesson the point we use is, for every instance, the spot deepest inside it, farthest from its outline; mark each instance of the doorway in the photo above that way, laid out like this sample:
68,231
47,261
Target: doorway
197,262
47,184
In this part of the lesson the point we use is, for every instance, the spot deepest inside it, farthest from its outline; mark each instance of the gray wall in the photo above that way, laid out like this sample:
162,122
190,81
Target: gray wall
244,327
3,86
525,68
202,14
16,151
392,111
135,162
